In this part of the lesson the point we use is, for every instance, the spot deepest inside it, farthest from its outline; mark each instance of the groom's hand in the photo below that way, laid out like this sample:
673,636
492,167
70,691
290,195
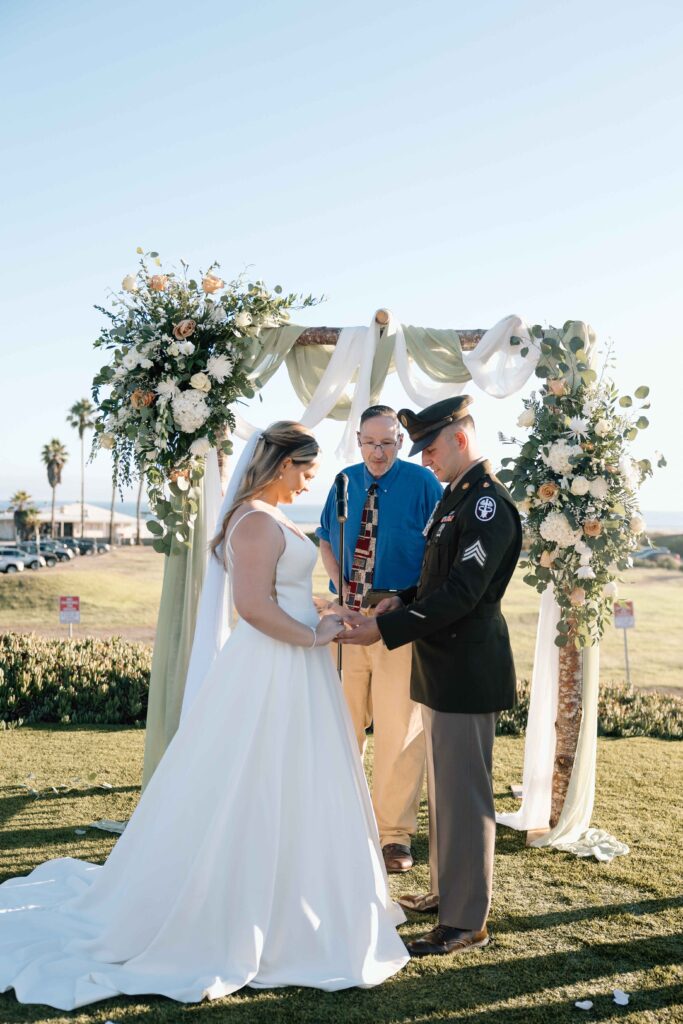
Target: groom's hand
388,604
363,630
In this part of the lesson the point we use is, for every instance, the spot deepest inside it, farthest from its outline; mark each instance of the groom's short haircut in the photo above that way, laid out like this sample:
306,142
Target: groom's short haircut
378,410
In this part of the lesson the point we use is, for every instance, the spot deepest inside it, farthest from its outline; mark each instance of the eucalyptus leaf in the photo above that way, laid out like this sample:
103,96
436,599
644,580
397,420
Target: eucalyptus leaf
160,545
154,527
625,401
514,340
632,434
537,331
642,422
642,392
524,352
576,344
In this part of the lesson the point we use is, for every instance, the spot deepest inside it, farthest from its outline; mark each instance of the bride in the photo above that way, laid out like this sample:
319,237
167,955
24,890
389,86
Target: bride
252,857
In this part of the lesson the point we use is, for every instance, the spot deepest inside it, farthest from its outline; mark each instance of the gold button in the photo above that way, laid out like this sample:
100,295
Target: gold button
465,486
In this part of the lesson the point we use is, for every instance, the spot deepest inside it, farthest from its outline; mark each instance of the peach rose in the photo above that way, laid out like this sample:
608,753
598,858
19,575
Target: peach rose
558,387
141,399
158,282
577,597
592,528
547,558
548,491
211,284
184,329
176,474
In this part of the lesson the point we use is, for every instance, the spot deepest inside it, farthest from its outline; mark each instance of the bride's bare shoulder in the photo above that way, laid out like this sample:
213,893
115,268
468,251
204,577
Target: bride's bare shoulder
254,526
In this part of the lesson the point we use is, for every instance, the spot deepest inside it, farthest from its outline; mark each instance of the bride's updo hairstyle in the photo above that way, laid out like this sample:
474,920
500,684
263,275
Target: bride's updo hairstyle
282,440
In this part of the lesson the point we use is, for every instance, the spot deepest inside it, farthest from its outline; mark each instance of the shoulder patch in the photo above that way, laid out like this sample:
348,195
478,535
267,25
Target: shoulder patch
485,509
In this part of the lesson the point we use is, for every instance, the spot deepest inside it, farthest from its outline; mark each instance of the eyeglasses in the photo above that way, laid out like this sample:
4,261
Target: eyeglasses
384,446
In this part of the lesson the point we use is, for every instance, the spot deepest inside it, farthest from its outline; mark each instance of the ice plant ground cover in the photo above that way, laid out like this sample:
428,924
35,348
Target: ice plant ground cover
565,929
178,348
576,483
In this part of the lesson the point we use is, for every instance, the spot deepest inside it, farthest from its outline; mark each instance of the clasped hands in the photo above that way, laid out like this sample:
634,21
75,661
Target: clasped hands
358,628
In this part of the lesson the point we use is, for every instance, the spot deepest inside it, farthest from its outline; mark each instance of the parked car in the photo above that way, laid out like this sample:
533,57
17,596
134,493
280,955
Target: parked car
11,563
646,554
63,554
71,544
30,548
30,559
92,546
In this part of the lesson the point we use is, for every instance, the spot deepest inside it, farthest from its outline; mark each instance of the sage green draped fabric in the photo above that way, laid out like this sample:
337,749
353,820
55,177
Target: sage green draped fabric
268,351
183,577
438,353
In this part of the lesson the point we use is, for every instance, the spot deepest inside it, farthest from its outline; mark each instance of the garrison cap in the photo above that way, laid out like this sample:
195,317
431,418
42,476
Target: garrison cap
424,426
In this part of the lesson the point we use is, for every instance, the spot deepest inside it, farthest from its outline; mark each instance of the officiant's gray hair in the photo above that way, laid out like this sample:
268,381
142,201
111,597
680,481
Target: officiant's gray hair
282,440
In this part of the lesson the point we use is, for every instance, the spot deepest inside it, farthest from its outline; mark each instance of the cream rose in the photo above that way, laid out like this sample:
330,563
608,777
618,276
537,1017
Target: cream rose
610,589
558,387
107,441
602,428
184,329
579,486
637,524
211,283
577,597
526,418
547,558
129,283
200,382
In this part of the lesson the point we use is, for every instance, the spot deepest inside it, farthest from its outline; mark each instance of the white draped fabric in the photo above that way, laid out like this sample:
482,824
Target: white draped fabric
498,367
418,391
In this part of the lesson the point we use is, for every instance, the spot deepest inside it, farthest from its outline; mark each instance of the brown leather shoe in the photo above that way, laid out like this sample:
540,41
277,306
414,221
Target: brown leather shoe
397,858
442,939
420,903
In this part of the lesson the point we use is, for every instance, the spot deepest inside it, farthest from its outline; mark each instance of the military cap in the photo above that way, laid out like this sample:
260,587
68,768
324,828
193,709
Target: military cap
424,426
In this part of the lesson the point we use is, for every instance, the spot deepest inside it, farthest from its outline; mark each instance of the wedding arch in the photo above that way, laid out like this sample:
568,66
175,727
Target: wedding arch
576,421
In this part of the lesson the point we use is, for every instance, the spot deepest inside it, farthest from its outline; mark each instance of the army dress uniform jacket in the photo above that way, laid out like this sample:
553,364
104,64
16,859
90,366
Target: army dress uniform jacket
462,659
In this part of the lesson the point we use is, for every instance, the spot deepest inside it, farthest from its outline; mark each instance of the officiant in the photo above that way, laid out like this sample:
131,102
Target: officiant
389,503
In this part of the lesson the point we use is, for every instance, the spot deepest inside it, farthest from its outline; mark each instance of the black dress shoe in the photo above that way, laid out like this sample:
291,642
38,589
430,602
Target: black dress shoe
442,939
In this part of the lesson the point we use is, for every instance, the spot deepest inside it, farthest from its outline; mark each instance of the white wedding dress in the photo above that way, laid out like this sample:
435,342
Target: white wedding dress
251,859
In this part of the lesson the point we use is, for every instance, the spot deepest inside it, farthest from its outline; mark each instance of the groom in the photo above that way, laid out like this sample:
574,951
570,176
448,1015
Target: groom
463,673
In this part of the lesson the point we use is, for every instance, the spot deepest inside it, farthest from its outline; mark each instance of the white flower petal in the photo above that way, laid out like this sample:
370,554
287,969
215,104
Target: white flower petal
584,1004
620,997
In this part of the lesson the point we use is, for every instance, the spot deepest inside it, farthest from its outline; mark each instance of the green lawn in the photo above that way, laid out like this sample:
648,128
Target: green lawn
120,596
565,929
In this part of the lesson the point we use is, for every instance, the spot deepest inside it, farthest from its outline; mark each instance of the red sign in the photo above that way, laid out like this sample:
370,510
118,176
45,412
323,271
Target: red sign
69,609
624,615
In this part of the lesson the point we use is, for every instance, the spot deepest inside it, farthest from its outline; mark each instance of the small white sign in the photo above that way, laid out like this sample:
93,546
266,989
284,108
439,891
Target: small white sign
624,615
69,610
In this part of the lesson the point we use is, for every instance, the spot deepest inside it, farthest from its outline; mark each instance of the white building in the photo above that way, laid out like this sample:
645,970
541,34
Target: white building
68,522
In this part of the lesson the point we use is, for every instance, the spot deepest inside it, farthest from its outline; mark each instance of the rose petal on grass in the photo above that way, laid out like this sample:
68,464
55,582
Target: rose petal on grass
79,831
620,997
584,1004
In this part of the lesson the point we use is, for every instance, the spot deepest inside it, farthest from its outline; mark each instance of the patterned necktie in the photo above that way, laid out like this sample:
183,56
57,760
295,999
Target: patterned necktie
364,552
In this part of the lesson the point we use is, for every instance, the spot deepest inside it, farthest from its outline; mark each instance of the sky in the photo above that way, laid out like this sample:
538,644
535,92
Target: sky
453,162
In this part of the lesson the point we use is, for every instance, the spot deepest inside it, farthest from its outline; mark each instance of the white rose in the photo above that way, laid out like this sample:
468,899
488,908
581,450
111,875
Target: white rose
107,441
602,428
186,348
243,319
526,418
202,446
579,485
610,589
599,488
200,382
131,359
585,573
173,349
129,283
637,524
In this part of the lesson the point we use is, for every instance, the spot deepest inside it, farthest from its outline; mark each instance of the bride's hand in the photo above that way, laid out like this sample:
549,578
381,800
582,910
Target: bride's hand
328,628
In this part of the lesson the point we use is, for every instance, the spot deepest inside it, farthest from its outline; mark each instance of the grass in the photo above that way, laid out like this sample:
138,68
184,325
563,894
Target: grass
120,593
565,929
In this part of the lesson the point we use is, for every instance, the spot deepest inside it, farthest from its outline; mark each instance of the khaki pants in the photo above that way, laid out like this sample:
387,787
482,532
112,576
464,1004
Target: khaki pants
376,685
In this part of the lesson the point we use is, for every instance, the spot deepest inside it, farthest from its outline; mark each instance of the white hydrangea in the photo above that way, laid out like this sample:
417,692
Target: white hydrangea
202,446
599,488
558,457
579,486
585,573
190,411
186,348
219,367
557,529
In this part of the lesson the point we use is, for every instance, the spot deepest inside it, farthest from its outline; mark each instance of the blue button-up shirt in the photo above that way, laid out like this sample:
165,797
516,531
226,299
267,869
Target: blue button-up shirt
406,497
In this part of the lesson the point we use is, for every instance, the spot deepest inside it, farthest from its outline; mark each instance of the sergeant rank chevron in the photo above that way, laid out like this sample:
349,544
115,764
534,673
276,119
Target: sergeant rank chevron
475,551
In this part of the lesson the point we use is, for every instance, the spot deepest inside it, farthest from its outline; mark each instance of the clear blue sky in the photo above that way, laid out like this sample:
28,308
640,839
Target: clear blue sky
455,162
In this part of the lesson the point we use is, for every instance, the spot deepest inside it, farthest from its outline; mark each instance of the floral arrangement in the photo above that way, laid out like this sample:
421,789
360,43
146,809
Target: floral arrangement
178,347
576,483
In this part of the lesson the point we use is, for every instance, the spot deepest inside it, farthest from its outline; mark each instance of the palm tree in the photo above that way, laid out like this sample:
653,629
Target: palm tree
54,455
81,417
20,504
